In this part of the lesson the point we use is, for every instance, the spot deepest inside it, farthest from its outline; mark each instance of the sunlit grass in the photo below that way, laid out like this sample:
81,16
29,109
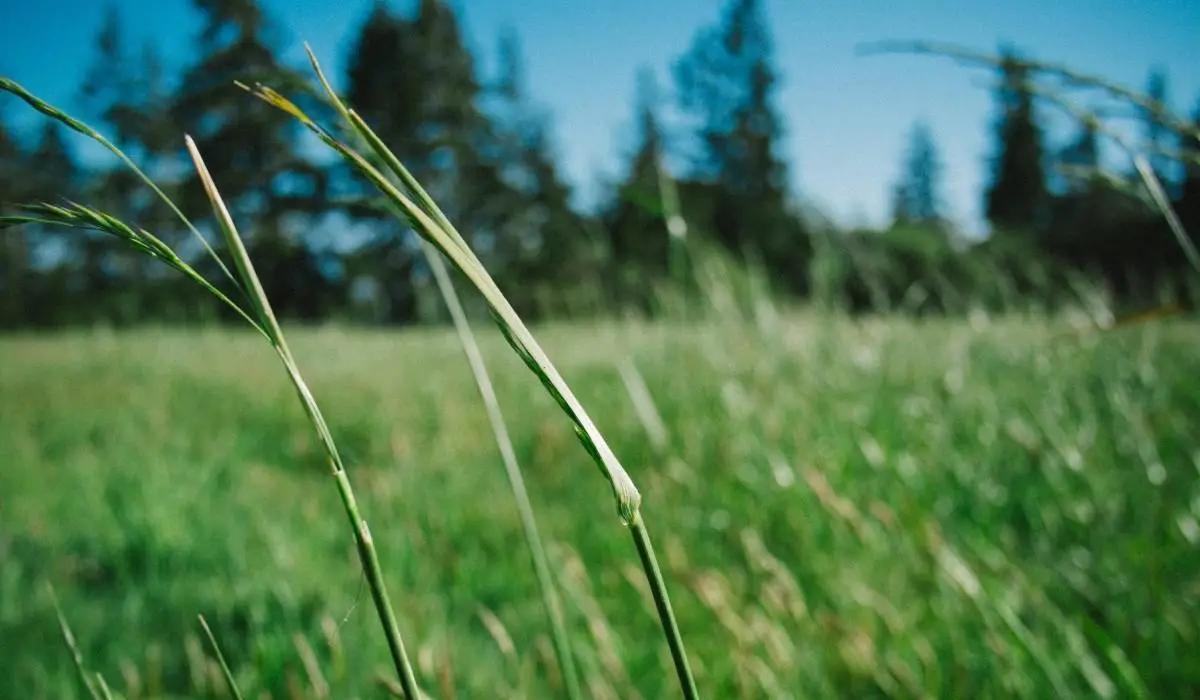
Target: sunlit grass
891,507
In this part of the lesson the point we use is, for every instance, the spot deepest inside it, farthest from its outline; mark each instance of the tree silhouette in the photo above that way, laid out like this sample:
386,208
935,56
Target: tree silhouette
727,84
1016,198
917,198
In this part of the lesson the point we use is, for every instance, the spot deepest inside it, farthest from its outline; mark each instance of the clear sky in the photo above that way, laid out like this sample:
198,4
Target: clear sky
847,116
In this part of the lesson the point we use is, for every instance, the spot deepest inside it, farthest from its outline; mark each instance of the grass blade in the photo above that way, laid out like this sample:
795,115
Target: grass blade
1163,202
212,641
72,647
82,217
94,682
80,127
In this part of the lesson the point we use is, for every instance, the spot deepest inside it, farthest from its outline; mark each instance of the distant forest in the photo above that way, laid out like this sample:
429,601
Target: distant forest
1059,223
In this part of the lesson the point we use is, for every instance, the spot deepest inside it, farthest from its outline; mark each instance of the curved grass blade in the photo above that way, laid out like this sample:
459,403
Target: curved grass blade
82,217
80,127
362,534
1067,74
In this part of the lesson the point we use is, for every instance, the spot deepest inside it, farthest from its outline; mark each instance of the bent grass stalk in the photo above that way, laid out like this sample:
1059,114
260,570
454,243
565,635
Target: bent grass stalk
428,221
74,124
262,319
550,598
537,550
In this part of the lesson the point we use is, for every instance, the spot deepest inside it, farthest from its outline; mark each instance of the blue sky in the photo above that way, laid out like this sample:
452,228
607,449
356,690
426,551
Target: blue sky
847,116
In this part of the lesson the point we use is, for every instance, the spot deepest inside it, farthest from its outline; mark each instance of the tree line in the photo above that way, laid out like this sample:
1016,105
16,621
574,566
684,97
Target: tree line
484,148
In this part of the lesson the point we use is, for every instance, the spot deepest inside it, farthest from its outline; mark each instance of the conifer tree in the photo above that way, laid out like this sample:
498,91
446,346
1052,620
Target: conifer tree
727,84
1016,197
918,200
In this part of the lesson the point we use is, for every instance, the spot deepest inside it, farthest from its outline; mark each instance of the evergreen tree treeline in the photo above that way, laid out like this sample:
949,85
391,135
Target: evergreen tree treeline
487,152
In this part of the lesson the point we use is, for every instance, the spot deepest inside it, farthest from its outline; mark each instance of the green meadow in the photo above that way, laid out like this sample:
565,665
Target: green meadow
992,507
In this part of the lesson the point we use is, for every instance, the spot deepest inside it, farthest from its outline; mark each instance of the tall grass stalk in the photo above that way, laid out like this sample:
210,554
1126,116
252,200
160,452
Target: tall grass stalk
261,317
512,469
362,533
428,221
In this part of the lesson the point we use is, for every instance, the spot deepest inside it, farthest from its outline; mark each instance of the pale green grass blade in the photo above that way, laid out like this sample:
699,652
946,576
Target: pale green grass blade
363,539
1163,202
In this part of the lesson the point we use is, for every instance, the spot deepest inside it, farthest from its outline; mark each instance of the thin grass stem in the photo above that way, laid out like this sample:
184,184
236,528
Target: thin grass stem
512,469
662,602
1163,203
69,639
216,648
483,382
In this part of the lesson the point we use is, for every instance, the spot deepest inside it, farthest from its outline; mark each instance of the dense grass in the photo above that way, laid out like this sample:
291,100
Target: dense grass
889,508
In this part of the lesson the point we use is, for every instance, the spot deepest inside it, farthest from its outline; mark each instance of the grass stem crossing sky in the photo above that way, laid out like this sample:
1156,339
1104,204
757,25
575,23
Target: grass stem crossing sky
847,116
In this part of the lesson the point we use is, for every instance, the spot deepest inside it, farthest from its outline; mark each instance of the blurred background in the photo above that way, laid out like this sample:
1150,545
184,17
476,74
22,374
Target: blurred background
537,125
815,288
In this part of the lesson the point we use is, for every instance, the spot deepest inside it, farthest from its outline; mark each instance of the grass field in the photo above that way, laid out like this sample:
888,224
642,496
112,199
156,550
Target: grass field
877,509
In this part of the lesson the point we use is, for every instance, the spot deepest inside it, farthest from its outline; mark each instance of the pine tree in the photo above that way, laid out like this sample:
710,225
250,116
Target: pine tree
1188,203
638,244
251,148
384,85
1155,130
544,255
1017,197
130,101
383,79
917,193
727,84
1082,157
12,176
53,172
14,246
413,80
1073,220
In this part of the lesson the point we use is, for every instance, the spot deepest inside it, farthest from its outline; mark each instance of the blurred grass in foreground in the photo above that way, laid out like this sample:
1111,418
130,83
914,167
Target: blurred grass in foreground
888,508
